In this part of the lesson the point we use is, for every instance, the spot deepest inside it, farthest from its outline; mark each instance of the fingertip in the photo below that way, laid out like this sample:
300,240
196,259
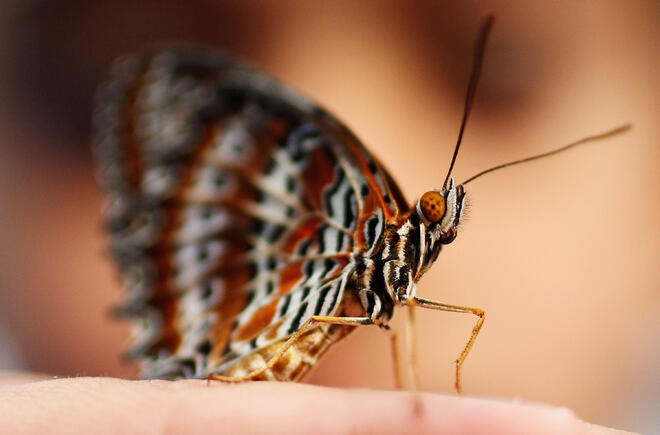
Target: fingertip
105,405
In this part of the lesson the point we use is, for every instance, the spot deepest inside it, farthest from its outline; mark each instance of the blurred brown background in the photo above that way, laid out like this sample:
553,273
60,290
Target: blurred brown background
562,253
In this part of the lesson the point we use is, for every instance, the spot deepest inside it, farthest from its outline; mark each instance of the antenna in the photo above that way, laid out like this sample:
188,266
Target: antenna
599,136
479,48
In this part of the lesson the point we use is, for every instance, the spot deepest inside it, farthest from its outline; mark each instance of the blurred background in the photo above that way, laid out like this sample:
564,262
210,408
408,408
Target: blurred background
561,253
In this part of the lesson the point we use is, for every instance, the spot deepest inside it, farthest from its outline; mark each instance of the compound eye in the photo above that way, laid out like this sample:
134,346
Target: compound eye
432,205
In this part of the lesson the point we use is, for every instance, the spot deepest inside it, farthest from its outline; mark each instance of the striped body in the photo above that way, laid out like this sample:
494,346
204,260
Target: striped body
238,209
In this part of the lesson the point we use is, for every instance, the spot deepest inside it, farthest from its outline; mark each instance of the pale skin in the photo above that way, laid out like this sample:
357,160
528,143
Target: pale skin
41,404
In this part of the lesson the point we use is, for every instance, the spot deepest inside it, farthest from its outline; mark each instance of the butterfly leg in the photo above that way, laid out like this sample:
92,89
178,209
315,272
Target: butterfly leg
395,358
347,321
426,303
411,348
412,359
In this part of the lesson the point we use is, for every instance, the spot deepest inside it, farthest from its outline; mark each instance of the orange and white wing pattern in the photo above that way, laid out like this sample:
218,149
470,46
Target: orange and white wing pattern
236,210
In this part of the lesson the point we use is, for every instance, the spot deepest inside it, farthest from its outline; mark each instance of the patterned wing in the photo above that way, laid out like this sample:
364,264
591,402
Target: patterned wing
235,207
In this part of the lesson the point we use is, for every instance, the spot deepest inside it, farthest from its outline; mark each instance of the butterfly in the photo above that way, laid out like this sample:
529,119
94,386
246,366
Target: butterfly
251,229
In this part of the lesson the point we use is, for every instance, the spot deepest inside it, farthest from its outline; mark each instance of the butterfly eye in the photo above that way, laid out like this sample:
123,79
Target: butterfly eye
432,205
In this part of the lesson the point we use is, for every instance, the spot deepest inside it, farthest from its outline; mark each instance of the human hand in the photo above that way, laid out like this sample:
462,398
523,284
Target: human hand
39,404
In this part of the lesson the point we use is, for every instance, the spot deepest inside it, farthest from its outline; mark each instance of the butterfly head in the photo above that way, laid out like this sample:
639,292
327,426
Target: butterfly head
419,239
441,211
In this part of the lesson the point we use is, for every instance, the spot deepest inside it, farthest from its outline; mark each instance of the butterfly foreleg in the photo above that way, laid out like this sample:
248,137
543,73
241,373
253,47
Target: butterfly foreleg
425,303
347,321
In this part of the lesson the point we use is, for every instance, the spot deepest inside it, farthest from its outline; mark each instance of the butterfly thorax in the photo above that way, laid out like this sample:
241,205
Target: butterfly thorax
389,276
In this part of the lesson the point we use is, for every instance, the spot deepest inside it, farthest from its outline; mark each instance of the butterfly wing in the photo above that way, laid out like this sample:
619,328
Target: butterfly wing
234,207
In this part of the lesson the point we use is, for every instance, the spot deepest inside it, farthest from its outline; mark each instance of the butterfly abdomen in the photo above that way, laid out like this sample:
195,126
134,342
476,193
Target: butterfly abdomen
295,362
